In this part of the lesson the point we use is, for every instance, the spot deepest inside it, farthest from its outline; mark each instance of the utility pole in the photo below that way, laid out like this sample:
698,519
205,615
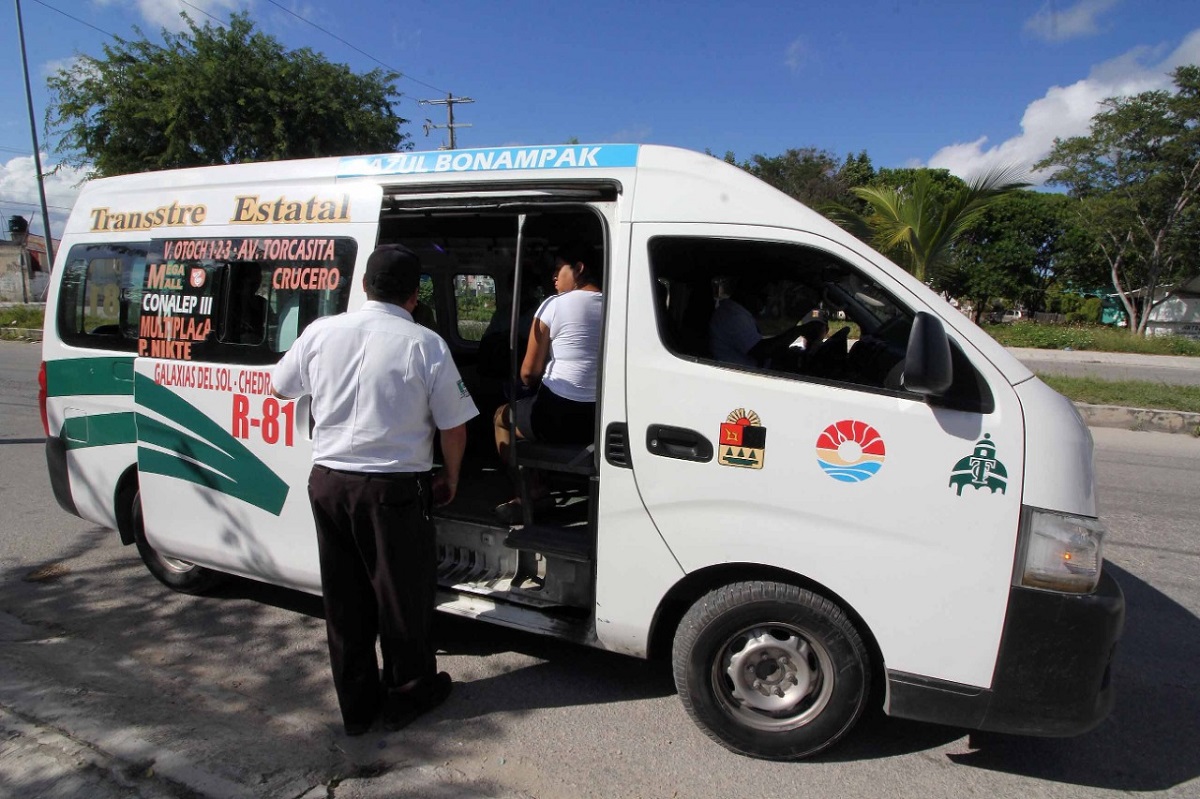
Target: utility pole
450,124
37,154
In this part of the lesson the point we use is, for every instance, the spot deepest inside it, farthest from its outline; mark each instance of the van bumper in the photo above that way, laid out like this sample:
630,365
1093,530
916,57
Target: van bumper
60,478
1053,672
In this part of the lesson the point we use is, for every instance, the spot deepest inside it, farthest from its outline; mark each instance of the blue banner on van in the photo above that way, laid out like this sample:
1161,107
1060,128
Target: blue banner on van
501,159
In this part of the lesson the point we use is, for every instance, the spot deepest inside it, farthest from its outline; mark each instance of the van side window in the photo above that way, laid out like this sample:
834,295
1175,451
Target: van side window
475,304
426,311
790,311
99,304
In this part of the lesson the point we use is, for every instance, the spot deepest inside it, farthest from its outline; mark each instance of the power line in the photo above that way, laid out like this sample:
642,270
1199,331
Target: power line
32,205
450,125
202,11
389,67
400,72
306,21
77,19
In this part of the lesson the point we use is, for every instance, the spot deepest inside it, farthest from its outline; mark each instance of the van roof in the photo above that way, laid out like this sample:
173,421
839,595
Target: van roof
677,185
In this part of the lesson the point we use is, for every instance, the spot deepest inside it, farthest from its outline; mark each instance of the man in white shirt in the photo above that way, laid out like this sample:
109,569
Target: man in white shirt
380,385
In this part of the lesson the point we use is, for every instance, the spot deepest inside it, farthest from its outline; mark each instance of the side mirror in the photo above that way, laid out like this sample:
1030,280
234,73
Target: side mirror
927,367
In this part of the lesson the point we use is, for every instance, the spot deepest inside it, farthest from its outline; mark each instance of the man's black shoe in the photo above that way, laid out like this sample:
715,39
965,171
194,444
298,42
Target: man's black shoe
355,730
404,709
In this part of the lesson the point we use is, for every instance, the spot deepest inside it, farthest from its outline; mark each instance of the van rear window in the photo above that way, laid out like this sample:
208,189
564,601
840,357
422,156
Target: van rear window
233,300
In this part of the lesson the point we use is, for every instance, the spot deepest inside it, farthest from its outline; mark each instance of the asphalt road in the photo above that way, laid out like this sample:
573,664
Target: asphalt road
110,685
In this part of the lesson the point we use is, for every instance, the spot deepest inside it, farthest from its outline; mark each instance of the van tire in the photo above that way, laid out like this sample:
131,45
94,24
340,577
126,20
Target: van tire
770,670
180,575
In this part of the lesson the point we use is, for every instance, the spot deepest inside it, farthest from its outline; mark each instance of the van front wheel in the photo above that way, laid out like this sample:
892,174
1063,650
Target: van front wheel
182,576
770,670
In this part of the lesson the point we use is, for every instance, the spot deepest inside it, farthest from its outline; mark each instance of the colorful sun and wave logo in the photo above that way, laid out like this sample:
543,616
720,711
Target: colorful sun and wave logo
850,451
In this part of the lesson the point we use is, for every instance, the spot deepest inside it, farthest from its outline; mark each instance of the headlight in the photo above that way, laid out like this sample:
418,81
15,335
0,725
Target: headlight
1059,552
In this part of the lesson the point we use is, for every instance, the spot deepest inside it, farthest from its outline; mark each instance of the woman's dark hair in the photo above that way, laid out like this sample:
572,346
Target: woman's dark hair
577,252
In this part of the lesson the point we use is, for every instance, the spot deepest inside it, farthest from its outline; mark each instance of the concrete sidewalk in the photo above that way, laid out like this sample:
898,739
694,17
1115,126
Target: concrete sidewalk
1170,369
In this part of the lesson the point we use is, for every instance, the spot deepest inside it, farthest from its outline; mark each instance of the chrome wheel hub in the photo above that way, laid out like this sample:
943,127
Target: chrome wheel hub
774,676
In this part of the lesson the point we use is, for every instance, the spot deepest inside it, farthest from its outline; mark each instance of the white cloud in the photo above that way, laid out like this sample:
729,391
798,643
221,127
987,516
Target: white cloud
798,54
1066,111
165,13
19,193
1079,20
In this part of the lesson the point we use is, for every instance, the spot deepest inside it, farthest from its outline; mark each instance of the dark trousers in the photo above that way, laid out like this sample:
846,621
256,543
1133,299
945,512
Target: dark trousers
378,577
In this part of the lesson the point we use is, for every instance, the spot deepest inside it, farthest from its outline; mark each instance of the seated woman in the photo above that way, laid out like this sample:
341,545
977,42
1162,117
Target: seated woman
564,354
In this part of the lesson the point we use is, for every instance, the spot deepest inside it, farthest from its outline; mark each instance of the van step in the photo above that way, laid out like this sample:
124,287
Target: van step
568,543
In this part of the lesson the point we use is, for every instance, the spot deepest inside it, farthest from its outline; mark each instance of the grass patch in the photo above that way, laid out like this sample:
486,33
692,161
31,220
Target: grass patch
1126,393
29,316
1088,337
19,318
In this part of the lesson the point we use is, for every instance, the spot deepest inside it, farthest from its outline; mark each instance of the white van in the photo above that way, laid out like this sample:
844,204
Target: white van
901,516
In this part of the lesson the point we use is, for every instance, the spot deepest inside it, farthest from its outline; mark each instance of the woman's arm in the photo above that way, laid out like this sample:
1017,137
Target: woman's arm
535,353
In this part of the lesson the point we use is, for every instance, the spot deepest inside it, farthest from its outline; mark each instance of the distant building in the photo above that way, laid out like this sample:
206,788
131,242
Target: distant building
1179,314
24,269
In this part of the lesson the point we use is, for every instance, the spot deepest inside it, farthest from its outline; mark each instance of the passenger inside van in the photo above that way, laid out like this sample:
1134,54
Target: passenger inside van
733,333
246,321
563,355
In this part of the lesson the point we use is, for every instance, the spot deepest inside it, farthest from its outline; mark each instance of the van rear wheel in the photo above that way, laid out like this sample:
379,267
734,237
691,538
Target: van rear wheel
770,670
180,575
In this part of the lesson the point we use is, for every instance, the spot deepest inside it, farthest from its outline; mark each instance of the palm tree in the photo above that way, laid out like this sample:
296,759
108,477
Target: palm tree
916,225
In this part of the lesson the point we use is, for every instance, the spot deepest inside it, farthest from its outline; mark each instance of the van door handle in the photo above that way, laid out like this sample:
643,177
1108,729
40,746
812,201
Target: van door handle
678,442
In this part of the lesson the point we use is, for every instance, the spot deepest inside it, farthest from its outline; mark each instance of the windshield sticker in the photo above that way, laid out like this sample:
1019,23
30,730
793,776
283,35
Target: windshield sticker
743,440
980,469
244,286
850,451
495,159
176,313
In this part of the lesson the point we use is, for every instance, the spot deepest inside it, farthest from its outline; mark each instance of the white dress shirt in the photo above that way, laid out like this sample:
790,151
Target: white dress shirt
381,384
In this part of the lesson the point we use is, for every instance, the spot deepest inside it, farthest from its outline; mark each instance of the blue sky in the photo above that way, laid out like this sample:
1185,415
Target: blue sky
956,84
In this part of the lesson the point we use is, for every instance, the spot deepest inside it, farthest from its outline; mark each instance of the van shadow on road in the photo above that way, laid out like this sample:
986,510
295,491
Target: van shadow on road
232,666
1152,741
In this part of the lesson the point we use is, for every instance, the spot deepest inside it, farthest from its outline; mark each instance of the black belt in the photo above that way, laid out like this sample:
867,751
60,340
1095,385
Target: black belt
392,476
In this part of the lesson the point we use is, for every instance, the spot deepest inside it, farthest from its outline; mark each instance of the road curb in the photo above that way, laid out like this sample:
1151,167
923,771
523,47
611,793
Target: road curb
21,334
1150,419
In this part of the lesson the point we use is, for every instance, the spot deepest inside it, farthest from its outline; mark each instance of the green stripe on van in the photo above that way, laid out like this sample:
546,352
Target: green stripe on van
99,430
94,376
200,451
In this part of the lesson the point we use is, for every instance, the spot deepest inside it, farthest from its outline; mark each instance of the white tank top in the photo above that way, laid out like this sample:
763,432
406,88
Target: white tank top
574,319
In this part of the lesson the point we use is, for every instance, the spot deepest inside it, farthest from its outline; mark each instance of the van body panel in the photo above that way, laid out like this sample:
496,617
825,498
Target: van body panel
218,440
634,566
1059,473
925,561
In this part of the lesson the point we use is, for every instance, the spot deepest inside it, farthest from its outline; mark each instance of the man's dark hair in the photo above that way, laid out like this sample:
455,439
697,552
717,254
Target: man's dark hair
393,273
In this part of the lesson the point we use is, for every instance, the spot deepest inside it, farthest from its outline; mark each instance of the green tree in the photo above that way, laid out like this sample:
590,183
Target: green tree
805,174
216,95
1135,178
857,170
1015,250
918,221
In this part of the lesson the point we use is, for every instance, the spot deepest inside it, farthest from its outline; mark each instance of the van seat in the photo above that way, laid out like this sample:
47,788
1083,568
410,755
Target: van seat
572,459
